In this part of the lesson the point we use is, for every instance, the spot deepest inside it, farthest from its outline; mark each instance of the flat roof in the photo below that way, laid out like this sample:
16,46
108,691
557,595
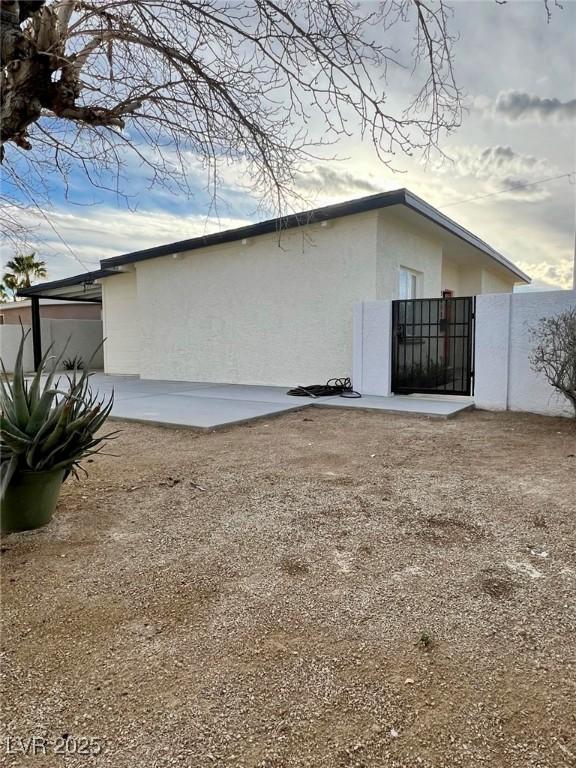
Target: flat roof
83,287
338,210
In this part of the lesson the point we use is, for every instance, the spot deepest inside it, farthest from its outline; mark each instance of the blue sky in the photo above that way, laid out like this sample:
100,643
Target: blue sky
518,73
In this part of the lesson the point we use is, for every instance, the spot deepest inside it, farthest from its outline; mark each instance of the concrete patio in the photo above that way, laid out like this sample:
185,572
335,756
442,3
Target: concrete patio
208,406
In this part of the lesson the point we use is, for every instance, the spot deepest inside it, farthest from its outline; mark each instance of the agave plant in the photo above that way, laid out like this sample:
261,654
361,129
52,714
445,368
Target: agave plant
73,363
44,427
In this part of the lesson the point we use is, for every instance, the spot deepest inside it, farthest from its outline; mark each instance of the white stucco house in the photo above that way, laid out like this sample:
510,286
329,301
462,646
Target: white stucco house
272,303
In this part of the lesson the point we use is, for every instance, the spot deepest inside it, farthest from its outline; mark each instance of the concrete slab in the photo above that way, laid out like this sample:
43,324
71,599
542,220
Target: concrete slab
126,388
198,412
206,406
247,392
397,404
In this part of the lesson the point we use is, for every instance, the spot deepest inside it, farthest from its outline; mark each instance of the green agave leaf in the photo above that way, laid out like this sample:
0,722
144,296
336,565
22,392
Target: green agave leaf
5,379
34,394
59,430
46,463
42,411
15,443
7,426
21,410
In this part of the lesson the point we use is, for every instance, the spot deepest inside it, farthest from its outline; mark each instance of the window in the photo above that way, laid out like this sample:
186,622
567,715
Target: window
408,287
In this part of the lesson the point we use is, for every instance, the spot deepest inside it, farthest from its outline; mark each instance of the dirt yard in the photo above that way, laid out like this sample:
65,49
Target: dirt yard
327,589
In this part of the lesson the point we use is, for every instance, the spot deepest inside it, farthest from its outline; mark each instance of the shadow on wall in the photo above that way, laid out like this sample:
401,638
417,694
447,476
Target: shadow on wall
83,336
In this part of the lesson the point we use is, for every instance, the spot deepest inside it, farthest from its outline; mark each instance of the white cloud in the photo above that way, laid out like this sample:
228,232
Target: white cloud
490,162
550,275
501,170
96,233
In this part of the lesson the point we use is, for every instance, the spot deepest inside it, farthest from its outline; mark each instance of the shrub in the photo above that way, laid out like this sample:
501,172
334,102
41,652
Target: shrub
75,363
433,375
554,352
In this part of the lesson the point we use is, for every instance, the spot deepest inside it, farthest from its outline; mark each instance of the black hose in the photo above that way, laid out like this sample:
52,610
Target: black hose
332,388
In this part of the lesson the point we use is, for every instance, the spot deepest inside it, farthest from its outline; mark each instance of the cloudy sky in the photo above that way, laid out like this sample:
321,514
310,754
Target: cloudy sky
518,73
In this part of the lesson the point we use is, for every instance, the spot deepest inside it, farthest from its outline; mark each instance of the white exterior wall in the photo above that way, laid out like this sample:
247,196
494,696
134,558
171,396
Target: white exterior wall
274,311
492,282
451,277
504,378
277,310
399,246
473,280
470,282
120,315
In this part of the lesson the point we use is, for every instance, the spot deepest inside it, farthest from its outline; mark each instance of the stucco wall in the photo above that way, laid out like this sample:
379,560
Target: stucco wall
269,312
400,246
450,277
120,314
473,280
274,310
504,377
470,282
495,282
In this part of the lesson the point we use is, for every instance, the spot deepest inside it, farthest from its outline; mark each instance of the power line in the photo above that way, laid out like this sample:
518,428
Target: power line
510,189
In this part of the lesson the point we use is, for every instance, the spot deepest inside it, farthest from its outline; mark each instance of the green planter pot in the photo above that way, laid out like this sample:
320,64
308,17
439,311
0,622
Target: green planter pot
30,500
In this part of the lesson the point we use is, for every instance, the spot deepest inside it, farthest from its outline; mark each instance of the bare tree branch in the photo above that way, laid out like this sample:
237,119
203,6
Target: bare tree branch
554,352
89,83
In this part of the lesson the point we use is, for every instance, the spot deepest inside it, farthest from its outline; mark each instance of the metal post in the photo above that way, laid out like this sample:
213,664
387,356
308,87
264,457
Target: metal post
36,331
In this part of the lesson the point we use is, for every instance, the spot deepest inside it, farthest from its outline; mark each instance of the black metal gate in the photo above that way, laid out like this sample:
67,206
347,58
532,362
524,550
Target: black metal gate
433,346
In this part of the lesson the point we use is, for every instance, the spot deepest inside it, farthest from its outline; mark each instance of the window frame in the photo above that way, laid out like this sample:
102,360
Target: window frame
410,279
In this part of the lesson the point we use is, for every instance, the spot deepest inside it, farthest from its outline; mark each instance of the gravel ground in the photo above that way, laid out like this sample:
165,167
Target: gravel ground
327,589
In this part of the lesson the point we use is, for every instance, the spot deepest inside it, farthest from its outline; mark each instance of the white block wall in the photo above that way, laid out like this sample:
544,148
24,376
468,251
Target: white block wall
504,378
81,336
10,336
372,361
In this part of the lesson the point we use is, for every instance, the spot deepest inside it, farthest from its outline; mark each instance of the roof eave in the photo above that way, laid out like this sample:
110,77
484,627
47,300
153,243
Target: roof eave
270,226
433,214
41,290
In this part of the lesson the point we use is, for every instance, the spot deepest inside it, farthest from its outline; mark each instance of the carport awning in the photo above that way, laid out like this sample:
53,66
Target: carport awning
83,287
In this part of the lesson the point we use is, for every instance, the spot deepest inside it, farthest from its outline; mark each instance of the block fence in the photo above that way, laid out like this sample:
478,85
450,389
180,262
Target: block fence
504,379
85,335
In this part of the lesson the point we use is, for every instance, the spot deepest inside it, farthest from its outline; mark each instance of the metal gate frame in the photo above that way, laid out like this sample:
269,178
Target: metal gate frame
446,329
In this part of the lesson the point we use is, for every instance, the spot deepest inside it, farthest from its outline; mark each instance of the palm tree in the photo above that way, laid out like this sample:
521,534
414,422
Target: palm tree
24,268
